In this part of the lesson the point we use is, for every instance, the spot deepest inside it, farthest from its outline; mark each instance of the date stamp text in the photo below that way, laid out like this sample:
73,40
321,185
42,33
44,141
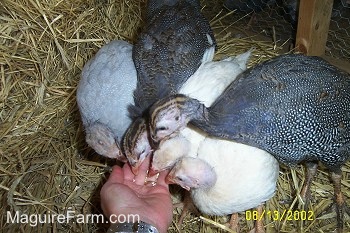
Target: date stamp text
277,215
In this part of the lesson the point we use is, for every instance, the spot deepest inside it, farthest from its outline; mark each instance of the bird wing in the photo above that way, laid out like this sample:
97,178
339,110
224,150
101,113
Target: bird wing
169,51
294,106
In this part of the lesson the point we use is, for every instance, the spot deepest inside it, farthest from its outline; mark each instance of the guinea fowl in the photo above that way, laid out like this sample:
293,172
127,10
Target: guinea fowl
176,39
169,50
104,92
227,177
295,107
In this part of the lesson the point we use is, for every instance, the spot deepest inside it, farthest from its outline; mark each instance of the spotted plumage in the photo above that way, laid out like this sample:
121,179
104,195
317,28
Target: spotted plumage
295,107
169,50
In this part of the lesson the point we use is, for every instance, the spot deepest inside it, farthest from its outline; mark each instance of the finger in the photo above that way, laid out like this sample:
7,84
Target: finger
116,176
141,176
161,178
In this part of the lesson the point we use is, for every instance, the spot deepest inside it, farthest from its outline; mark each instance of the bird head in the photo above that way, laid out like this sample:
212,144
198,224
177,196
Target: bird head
136,145
101,139
181,175
160,162
170,115
191,173
169,152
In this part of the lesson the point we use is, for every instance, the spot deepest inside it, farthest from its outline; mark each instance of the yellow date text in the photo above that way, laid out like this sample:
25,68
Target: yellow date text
278,215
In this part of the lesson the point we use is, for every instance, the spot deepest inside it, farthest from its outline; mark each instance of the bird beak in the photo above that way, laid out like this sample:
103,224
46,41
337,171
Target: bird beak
152,172
135,167
135,170
154,138
121,157
169,180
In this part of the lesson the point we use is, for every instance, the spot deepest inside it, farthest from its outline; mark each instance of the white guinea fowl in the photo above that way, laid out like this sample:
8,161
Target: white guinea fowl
206,84
227,177
103,95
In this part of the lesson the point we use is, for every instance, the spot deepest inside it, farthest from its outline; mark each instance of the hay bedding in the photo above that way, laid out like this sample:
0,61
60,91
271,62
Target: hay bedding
45,165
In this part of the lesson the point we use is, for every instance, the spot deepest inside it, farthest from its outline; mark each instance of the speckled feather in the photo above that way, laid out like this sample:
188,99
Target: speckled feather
169,50
295,107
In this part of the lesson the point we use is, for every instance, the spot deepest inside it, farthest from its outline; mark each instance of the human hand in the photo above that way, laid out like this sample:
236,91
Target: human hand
127,194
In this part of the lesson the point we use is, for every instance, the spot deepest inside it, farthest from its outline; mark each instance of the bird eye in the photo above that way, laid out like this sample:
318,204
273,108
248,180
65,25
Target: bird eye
177,118
162,128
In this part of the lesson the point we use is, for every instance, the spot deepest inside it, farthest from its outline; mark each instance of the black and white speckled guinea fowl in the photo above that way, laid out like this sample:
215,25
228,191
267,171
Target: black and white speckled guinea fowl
295,107
103,95
169,50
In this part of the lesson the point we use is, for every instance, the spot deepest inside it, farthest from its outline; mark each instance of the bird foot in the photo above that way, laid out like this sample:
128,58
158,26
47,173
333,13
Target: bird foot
340,210
340,206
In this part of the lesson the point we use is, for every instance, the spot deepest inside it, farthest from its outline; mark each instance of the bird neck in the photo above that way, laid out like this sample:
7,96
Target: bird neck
194,110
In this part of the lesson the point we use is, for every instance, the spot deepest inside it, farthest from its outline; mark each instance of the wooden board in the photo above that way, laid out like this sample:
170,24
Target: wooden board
313,25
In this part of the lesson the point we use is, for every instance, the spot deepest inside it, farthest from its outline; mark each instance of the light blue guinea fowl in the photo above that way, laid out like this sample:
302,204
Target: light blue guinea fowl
104,93
295,107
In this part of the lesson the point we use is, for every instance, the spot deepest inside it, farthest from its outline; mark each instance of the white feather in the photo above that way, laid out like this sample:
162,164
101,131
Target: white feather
246,177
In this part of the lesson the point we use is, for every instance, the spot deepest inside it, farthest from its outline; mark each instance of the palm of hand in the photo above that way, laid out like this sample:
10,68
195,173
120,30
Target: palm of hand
126,194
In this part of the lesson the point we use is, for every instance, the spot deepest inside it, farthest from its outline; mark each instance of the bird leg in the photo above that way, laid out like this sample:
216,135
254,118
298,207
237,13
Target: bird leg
234,222
340,204
187,206
259,225
311,170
